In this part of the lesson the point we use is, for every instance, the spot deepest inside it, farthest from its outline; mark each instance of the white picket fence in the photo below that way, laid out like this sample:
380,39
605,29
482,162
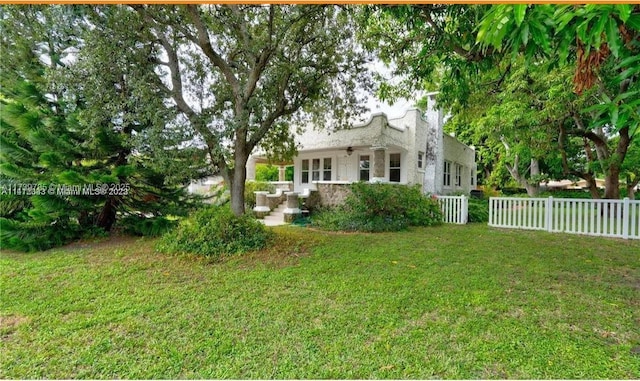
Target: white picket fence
455,209
608,218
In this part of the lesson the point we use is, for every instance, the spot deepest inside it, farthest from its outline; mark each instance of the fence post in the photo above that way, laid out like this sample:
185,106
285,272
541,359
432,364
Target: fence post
465,210
548,213
491,211
626,216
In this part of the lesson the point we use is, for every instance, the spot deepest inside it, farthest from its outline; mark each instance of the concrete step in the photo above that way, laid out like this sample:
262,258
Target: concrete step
272,222
276,217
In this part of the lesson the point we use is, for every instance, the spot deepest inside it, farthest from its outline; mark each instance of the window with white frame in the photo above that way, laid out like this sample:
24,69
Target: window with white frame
365,167
447,174
319,169
420,160
326,169
394,168
315,170
458,175
304,172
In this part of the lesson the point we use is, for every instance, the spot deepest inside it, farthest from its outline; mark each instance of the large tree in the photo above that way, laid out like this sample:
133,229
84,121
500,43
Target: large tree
602,43
69,165
512,111
429,46
239,74
451,48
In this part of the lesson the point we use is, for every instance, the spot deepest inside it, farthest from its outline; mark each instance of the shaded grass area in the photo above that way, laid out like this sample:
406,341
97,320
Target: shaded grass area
441,302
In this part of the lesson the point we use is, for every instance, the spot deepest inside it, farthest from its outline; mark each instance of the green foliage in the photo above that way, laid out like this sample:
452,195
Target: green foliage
38,235
478,210
288,173
256,186
381,207
266,172
147,227
215,232
67,133
599,42
431,46
512,68
242,75
566,193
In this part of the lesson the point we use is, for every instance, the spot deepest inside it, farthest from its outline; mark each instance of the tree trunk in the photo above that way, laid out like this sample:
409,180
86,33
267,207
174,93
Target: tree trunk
238,181
533,189
612,183
593,186
612,173
107,216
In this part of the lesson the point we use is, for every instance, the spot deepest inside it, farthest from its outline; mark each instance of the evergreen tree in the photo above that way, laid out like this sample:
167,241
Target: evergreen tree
69,164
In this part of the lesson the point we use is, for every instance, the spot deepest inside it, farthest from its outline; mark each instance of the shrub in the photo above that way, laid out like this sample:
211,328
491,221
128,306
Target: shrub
566,193
38,236
381,207
255,186
266,172
215,232
147,227
478,210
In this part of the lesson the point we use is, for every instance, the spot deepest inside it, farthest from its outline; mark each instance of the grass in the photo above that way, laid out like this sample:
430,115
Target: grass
444,302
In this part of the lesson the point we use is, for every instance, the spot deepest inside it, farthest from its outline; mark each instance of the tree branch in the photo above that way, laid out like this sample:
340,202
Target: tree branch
204,42
176,92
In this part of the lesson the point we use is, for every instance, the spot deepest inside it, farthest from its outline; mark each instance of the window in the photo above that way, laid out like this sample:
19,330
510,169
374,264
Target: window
420,159
472,177
315,170
326,173
458,175
305,172
365,167
447,174
320,168
394,167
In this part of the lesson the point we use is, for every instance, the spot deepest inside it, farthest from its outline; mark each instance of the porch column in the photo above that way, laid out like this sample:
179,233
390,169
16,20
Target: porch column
292,210
378,164
251,168
281,171
261,209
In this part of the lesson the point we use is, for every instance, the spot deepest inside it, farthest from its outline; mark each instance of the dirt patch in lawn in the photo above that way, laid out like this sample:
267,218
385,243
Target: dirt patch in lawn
112,241
9,324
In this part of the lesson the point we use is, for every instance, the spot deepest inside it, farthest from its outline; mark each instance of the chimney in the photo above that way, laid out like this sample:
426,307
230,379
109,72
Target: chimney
434,151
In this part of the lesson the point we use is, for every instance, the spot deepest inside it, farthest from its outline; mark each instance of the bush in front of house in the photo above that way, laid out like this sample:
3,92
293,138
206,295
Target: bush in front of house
379,208
147,227
215,232
478,210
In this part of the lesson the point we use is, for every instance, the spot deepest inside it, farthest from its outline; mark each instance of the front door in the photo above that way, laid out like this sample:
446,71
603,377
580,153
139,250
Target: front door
344,169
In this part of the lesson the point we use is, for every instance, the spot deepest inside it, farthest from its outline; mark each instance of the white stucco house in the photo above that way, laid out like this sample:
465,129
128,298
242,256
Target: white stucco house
411,149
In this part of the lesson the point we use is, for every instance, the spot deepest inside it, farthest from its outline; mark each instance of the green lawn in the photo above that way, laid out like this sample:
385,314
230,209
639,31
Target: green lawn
444,302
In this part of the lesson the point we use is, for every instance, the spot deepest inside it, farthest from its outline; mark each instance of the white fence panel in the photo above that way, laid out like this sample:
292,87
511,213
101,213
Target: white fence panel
455,209
608,218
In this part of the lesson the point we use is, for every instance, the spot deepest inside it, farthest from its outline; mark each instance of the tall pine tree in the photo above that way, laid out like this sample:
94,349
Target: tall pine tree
69,164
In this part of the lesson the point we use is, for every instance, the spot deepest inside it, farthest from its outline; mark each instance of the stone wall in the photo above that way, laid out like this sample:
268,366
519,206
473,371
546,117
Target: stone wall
332,194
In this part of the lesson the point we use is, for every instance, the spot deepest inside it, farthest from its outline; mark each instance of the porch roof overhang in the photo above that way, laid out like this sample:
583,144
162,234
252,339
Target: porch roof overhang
353,148
263,159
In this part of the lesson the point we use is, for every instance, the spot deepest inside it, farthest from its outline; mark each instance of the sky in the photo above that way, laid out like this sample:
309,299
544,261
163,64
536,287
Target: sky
396,109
